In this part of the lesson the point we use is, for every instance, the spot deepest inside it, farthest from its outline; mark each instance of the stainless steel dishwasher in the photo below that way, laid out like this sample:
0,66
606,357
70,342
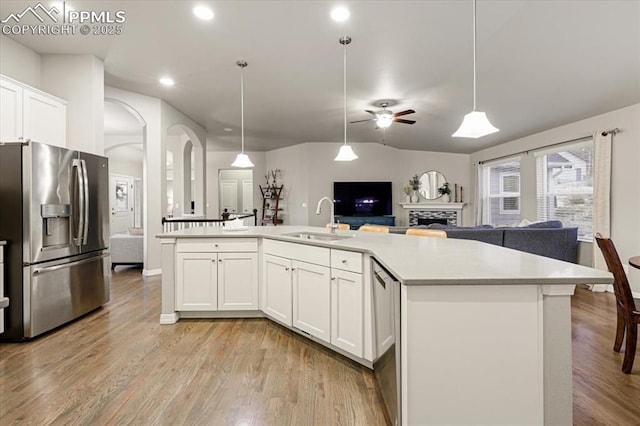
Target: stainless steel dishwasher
386,365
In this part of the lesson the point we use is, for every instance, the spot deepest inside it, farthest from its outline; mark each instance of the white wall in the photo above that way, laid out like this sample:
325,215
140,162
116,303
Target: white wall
78,79
20,63
308,173
221,160
126,160
625,180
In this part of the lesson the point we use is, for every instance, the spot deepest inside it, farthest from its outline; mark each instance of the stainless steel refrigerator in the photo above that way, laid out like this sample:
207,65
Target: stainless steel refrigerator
54,214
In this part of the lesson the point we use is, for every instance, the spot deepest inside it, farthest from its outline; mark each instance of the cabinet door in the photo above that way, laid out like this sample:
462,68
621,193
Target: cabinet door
276,288
347,301
44,119
10,111
312,299
237,281
196,287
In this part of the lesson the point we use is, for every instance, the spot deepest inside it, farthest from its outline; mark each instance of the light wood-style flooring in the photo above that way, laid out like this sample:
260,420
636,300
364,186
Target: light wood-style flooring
118,366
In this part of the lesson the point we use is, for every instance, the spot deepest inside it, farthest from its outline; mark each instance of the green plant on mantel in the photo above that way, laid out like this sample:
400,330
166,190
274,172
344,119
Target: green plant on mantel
414,182
444,189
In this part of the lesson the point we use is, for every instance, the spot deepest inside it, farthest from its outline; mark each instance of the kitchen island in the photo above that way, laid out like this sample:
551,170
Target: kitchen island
484,332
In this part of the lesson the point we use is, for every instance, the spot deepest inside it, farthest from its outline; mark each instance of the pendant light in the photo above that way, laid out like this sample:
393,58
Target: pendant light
475,124
345,153
242,160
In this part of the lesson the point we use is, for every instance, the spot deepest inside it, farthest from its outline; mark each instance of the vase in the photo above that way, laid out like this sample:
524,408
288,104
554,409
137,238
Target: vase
446,198
415,197
407,198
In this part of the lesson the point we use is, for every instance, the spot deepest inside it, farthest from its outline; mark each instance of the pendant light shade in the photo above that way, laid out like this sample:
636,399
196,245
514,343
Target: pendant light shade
242,160
475,124
345,153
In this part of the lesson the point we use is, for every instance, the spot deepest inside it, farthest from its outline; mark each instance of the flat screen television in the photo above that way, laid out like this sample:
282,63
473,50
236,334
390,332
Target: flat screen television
362,198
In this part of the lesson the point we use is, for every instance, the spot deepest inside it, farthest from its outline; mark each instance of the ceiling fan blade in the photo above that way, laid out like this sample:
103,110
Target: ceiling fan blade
401,120
361,121
370,112
409,111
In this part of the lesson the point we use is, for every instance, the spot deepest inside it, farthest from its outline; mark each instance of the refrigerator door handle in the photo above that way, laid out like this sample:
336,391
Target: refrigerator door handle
78,237
85,186
67,265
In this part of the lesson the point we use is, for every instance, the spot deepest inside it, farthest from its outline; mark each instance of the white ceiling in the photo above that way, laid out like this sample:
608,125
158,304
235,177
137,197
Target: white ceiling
541,64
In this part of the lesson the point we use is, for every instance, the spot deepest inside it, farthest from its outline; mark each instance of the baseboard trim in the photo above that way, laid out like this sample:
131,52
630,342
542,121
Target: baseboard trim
169,318
151,272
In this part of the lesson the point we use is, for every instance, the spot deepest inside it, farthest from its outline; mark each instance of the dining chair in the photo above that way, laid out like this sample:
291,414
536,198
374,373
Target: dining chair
340,226
628,315
374,228
435,233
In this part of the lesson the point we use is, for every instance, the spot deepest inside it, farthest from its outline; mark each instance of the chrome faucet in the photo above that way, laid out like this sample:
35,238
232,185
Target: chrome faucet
319,210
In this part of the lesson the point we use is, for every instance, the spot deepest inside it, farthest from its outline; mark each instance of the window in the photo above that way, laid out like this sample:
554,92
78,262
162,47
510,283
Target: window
501,192
564,185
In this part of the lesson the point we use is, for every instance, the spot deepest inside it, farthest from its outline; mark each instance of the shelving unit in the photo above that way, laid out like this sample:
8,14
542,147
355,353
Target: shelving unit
271,215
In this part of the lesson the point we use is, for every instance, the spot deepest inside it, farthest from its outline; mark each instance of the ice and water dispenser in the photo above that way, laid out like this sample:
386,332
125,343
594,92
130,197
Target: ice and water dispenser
55,224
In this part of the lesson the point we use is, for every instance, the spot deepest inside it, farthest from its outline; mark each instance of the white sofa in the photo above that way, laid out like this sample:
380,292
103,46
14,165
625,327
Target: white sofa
126,249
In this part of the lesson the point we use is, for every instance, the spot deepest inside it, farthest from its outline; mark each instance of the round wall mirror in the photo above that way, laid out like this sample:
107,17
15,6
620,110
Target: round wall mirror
430,182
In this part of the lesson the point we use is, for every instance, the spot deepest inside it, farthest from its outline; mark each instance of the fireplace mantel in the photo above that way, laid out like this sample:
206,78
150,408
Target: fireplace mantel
433,206
450,211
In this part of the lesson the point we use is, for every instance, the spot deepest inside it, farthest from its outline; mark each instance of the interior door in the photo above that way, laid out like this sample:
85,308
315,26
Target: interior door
247,196
121,202
229,195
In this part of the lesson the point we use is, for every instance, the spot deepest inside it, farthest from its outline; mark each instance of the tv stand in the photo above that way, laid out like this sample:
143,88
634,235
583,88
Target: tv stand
356,222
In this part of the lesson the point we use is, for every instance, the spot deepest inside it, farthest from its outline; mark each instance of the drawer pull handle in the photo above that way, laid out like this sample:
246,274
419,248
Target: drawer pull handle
219,260
286,269
333,278
344,260
215,245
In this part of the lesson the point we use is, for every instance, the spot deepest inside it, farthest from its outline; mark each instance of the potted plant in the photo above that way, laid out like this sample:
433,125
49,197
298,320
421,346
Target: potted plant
414,183
445,192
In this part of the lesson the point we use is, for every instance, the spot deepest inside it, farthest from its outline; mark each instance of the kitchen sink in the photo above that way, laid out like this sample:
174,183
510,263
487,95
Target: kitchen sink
317,236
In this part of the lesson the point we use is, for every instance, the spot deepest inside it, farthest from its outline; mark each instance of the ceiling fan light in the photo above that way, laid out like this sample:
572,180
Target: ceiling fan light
242,160
384,121
346,154
475,125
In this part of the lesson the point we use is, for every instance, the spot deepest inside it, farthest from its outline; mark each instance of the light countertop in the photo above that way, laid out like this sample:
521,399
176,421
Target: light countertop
418,260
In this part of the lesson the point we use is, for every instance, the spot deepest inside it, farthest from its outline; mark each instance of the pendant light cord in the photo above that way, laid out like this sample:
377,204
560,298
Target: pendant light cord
242,106
344,77
474,55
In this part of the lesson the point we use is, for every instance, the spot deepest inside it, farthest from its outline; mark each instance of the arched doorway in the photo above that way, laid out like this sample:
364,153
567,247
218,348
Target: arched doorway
125,139
185,173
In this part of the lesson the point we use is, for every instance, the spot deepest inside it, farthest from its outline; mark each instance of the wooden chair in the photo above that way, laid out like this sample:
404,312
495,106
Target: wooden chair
340,226
374,228
628,315
435,233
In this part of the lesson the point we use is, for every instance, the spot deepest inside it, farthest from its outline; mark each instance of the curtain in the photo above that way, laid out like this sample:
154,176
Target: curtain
601,197
479,192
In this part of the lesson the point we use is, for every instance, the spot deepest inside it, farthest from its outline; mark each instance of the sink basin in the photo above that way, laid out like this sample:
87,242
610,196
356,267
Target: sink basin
317,236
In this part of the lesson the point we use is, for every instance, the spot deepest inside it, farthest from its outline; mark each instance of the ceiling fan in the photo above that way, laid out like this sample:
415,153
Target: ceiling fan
385,117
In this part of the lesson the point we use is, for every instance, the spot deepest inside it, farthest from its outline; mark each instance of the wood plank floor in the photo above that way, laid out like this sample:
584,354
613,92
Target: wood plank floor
118,366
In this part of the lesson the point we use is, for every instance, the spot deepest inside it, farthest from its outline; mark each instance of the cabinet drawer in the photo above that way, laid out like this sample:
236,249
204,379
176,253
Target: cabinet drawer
302,252
346,260
214,245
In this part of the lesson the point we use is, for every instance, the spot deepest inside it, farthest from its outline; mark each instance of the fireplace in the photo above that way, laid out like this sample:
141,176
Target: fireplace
425,221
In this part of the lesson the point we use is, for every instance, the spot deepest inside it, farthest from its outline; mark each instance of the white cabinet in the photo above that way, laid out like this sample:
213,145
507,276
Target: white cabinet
276,289
196,282
237,281
312,299
28,113
347,305
214,275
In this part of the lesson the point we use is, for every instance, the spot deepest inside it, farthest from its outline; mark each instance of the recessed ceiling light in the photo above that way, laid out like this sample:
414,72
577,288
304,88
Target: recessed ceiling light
340,14
228,129
167,81
203,12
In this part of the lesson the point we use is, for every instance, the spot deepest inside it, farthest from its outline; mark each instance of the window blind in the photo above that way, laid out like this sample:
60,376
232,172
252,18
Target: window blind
501,192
